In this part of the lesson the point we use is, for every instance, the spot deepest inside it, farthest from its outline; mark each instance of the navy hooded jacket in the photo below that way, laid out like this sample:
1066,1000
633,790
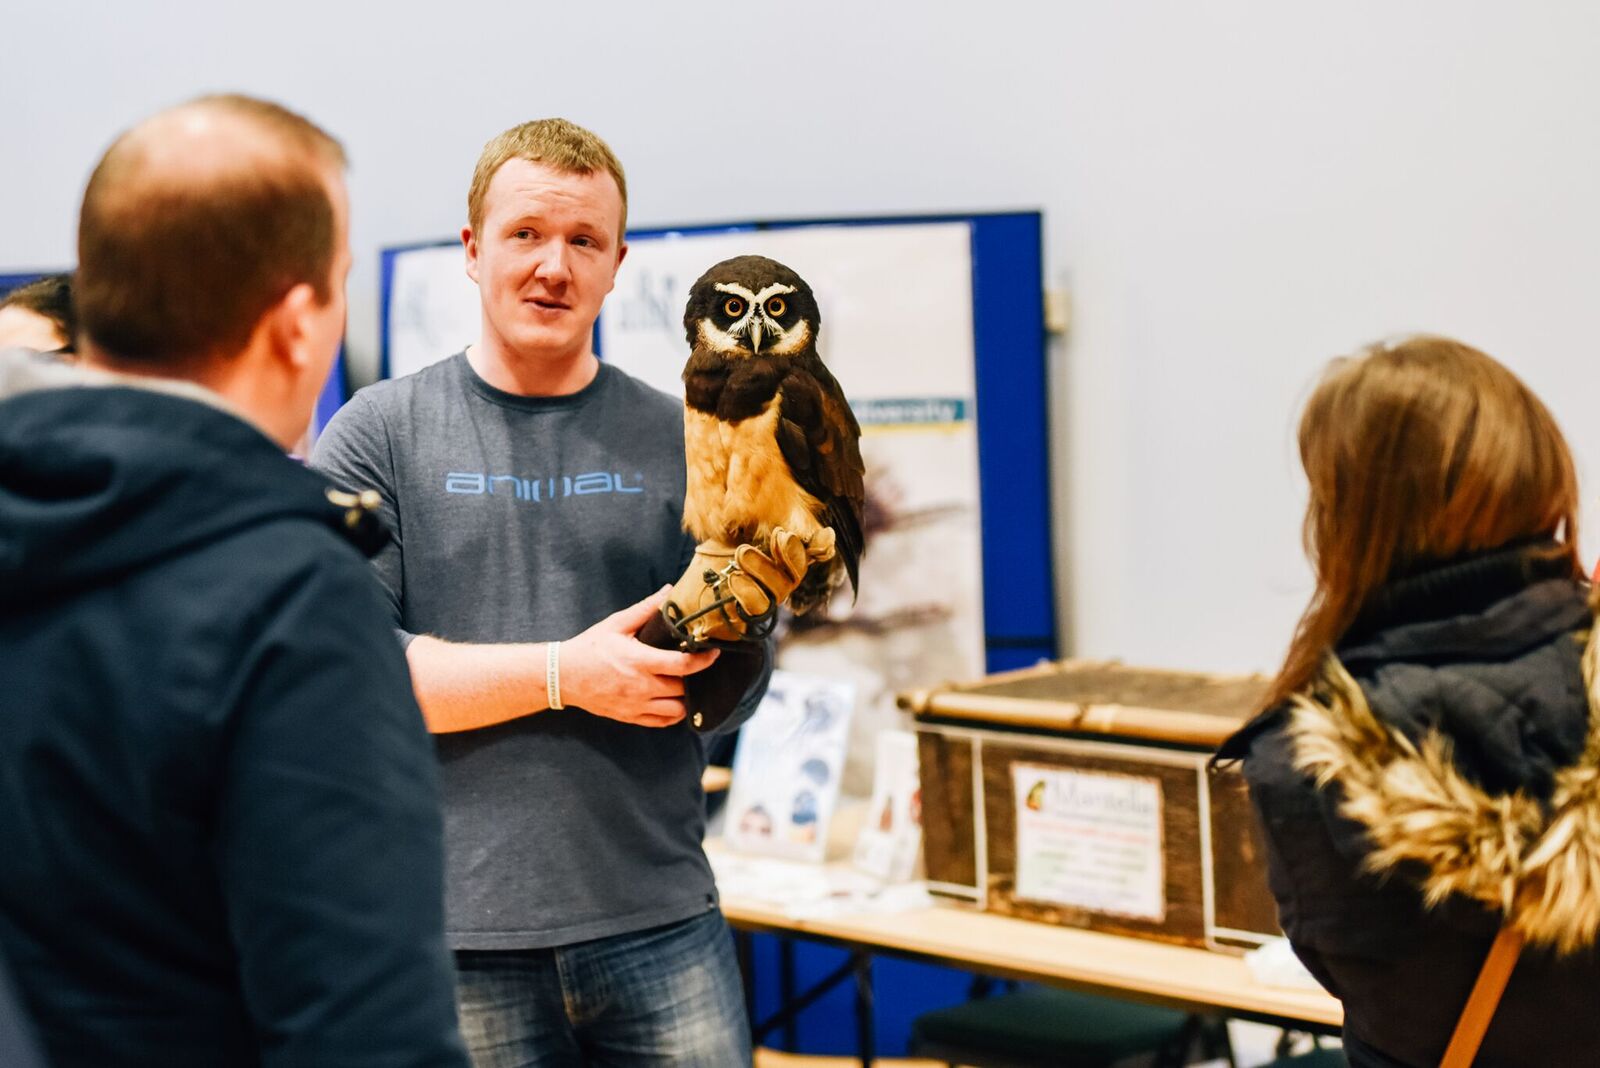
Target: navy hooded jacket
18,1049
219,832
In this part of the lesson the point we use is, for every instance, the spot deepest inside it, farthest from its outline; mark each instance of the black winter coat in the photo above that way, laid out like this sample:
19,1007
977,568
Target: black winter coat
18,1048
1455,736
220,841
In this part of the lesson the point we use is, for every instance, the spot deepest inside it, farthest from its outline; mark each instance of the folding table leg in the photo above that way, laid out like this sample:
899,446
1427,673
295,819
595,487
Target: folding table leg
866,1038
786,985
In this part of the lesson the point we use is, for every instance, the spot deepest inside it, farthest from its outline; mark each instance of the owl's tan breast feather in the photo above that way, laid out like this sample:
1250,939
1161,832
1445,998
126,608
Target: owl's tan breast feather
739,484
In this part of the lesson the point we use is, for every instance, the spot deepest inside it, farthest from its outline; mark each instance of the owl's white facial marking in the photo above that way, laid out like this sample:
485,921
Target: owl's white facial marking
792,340
754,298
718,340
755,324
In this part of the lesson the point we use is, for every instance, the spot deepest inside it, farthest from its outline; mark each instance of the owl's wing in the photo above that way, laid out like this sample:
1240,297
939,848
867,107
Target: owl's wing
821,441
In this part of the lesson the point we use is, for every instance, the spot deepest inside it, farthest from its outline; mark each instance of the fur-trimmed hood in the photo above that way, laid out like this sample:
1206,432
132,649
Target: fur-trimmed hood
1533,859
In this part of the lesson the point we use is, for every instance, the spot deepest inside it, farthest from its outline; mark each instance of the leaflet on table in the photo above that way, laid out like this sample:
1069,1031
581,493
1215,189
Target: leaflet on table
1090,840
891,836
802,890
787,768
1273,963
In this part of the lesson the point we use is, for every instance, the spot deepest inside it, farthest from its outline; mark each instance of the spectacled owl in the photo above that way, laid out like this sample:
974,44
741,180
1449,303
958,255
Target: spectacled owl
771,441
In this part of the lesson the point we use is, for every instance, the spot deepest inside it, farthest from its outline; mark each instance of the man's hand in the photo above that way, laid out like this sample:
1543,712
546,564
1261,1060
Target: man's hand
607,671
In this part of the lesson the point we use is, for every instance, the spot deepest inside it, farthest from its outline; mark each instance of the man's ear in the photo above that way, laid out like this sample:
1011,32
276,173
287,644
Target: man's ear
469,241
290,326
622,254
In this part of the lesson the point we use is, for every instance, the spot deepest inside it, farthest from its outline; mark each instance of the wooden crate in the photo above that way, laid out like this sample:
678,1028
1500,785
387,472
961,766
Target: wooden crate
1104,722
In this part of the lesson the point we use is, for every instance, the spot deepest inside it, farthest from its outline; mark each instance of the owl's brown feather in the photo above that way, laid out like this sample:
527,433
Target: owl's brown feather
821,441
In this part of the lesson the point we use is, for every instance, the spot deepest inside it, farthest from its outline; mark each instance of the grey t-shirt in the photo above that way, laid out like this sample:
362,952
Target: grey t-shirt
526,519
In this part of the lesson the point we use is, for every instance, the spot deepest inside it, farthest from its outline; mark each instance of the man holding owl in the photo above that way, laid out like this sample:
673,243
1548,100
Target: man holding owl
537,500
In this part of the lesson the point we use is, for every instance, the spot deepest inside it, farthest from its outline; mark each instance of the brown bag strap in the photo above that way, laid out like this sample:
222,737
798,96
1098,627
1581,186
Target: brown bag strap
1484,999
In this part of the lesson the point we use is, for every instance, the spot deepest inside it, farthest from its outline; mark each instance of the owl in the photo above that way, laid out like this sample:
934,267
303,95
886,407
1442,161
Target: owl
771,442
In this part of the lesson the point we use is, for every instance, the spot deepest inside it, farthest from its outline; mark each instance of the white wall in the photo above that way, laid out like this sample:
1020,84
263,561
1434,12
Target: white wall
1233,190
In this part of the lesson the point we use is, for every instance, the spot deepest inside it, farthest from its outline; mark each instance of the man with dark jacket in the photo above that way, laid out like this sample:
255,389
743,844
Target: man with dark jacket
218,802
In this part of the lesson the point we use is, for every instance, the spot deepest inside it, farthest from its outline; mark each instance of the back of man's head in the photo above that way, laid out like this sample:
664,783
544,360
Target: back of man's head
196,222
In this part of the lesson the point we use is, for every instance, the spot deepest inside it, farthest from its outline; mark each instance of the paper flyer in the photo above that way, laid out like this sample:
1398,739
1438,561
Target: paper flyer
891,836
787,768
1090,840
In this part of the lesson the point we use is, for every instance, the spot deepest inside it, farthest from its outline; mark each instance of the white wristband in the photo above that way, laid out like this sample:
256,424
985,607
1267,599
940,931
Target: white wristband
552,674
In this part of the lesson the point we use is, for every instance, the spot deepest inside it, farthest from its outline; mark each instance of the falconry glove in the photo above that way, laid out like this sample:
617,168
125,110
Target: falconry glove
728,599
733,594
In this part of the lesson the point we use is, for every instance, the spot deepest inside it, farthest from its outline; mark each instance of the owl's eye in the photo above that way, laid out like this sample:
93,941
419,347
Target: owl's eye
734,307
776,307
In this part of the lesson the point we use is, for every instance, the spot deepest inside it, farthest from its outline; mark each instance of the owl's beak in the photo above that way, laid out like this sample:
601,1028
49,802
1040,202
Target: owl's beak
755,334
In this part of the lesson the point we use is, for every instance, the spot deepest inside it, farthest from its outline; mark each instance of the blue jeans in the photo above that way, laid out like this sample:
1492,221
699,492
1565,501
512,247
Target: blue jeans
669,997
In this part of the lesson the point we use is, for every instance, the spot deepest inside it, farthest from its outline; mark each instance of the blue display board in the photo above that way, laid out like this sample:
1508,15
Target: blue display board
8,282
1011,384
1011,373
335,391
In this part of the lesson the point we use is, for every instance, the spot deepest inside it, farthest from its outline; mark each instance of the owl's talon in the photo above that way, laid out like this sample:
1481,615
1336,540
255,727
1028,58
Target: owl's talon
821,545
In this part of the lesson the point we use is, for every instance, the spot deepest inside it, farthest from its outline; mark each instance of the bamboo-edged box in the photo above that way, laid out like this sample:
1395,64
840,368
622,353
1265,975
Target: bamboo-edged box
1078,793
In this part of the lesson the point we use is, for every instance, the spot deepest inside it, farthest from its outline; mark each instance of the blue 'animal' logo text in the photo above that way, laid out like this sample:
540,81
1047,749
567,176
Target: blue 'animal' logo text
538,490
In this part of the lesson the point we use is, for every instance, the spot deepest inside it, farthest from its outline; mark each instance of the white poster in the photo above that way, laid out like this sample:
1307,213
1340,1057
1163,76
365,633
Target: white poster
1090,840
896,306
433,308
787,768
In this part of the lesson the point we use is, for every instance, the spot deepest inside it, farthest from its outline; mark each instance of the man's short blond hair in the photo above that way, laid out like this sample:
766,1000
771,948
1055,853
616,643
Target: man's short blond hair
558,144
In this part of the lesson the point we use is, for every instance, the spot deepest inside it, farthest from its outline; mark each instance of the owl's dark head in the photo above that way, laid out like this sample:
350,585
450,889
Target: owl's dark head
751,305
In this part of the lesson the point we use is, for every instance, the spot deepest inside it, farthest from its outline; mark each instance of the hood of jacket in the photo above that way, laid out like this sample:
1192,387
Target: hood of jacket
1487,785
102,475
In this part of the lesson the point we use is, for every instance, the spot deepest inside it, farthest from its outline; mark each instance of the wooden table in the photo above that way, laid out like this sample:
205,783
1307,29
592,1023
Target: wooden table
1195,980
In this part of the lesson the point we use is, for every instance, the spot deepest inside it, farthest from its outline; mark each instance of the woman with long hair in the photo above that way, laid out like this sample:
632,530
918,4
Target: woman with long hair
1427,764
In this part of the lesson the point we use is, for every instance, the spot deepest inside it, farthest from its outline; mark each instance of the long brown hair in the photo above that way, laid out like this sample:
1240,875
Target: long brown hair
1419,451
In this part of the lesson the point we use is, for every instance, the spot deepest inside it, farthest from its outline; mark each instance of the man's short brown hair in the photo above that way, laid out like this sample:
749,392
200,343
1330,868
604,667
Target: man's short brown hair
178,259
561,145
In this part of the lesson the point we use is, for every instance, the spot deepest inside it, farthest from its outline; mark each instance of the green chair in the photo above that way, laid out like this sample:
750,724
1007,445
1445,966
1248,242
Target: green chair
1035,1028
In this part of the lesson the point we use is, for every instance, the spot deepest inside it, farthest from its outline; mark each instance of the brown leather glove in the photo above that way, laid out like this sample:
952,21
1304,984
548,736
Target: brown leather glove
733,594
728,599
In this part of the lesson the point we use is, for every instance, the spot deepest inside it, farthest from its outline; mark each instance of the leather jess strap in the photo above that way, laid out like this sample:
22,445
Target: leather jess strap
1484,999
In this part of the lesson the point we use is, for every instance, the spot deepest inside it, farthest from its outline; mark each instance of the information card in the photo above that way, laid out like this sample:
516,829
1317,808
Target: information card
787,767
1090,840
